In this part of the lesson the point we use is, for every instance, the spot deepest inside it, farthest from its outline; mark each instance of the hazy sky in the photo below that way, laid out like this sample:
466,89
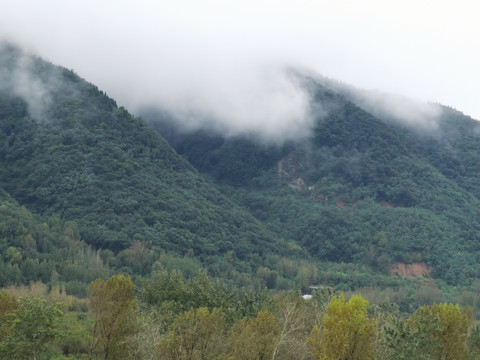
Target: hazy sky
223,56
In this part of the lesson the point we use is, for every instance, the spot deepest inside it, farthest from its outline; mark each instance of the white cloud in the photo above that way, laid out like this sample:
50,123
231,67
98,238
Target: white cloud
419,115
21,80
210,56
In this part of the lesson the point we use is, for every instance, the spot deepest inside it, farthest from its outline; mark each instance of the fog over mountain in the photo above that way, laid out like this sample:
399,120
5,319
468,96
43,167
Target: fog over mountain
271,103
20,77
358,190
419,115
224,62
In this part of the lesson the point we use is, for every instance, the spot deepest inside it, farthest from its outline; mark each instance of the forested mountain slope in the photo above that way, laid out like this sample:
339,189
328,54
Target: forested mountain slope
67,149
446,137
47,249
361,189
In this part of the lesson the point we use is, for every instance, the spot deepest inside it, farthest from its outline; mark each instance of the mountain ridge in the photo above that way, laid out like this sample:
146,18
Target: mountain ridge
357,176
92,162
360,190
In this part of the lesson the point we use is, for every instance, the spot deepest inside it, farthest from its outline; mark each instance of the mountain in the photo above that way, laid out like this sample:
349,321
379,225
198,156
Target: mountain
367,187
380,187
66,149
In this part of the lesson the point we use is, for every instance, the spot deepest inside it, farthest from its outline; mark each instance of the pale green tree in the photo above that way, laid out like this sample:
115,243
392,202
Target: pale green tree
113,307
195,335
256,338
439,331
451,339
347,332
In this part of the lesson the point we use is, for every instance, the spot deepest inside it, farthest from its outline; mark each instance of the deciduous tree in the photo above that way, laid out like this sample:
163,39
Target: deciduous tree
255,339
296,317
113,307
195,335
411,338
347,332
32,329
451,339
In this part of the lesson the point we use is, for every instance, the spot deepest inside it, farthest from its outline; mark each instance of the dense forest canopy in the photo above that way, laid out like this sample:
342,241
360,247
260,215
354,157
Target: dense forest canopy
222,234
362,189
67,149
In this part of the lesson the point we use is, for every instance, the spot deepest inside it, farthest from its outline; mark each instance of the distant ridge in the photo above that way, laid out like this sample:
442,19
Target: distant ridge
331,192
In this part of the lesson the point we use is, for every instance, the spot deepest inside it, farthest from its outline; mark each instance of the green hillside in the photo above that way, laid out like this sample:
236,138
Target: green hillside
454,150
360,190
47,249
361,198
67,149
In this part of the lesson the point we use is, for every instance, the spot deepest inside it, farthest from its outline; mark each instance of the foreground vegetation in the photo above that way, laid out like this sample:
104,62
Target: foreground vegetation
170,317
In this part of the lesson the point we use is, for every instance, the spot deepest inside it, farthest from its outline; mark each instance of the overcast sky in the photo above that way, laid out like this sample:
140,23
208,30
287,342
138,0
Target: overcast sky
205,52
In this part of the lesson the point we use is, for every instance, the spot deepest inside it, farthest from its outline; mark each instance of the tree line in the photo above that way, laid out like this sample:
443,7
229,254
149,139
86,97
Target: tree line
171,317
